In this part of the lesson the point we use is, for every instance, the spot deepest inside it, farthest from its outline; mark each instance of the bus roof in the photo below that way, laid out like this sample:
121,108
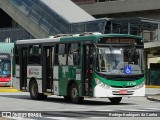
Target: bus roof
96,37
74,38
31,41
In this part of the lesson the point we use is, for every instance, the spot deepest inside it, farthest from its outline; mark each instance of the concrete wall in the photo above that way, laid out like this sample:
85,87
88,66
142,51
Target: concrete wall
120,6
84,1
23,20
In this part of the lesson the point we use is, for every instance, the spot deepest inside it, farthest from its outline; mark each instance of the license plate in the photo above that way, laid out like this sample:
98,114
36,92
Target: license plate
123,91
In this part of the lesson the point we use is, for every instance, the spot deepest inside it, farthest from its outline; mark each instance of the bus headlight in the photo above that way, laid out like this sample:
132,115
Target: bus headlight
98,82
140,86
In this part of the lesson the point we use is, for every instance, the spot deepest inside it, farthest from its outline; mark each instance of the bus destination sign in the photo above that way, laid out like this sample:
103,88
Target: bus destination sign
120,40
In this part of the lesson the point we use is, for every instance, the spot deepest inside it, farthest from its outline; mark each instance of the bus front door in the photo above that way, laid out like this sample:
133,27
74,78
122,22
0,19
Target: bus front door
47,69
87,69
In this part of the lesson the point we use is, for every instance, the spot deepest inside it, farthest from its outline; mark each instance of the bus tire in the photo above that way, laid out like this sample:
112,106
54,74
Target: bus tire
115,100
33,89
74,94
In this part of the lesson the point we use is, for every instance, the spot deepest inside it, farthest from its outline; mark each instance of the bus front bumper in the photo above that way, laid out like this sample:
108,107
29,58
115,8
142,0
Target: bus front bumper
5,83
118,92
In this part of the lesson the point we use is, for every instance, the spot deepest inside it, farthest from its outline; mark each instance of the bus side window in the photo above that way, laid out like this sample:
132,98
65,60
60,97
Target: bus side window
74,54
61,54
34,55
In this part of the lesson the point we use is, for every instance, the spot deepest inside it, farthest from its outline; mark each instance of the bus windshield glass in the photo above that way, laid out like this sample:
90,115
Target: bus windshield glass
5,67
119,60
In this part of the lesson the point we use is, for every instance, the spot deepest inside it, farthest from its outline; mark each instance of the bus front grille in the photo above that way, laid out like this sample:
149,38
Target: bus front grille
117,93
122,86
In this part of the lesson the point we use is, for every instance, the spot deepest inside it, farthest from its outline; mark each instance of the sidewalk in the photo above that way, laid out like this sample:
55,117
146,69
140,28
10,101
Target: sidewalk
153,93
154,97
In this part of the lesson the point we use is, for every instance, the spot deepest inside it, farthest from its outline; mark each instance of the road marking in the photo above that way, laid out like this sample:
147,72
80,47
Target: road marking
136,110
157,109
105,110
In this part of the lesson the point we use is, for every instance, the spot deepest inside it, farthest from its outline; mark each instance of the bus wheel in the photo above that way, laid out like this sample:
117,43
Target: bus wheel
33,89
74,94
115,100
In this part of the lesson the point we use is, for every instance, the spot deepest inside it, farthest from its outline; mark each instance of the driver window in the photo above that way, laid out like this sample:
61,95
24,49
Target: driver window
103,64
102,60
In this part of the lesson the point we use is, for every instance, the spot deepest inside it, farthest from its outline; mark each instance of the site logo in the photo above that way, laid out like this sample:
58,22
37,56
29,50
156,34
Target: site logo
21,114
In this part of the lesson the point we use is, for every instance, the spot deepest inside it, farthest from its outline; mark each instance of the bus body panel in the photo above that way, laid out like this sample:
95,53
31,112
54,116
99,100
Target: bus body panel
112,92
39,83
34,72
16,78
55,72
55,80
56,77
67,74
55,87
16,83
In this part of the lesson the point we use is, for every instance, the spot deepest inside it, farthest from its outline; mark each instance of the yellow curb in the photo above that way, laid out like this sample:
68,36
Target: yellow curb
152,86
8,89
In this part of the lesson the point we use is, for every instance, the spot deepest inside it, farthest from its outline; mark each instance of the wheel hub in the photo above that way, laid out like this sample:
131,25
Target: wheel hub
74,93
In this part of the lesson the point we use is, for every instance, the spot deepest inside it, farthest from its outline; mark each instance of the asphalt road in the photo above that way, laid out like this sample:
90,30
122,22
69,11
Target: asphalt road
20,104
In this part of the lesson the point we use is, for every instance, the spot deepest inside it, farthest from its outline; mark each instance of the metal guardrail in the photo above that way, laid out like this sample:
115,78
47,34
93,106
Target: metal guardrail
91,26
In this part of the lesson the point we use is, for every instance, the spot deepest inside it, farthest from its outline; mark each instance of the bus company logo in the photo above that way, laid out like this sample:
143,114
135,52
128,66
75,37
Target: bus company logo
33,71
30,72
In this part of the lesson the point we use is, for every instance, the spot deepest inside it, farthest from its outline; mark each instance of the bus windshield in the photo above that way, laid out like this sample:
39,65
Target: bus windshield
119,60
5,67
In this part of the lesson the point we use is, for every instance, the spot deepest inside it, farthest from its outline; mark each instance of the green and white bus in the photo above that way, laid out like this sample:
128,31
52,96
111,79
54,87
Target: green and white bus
94,65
